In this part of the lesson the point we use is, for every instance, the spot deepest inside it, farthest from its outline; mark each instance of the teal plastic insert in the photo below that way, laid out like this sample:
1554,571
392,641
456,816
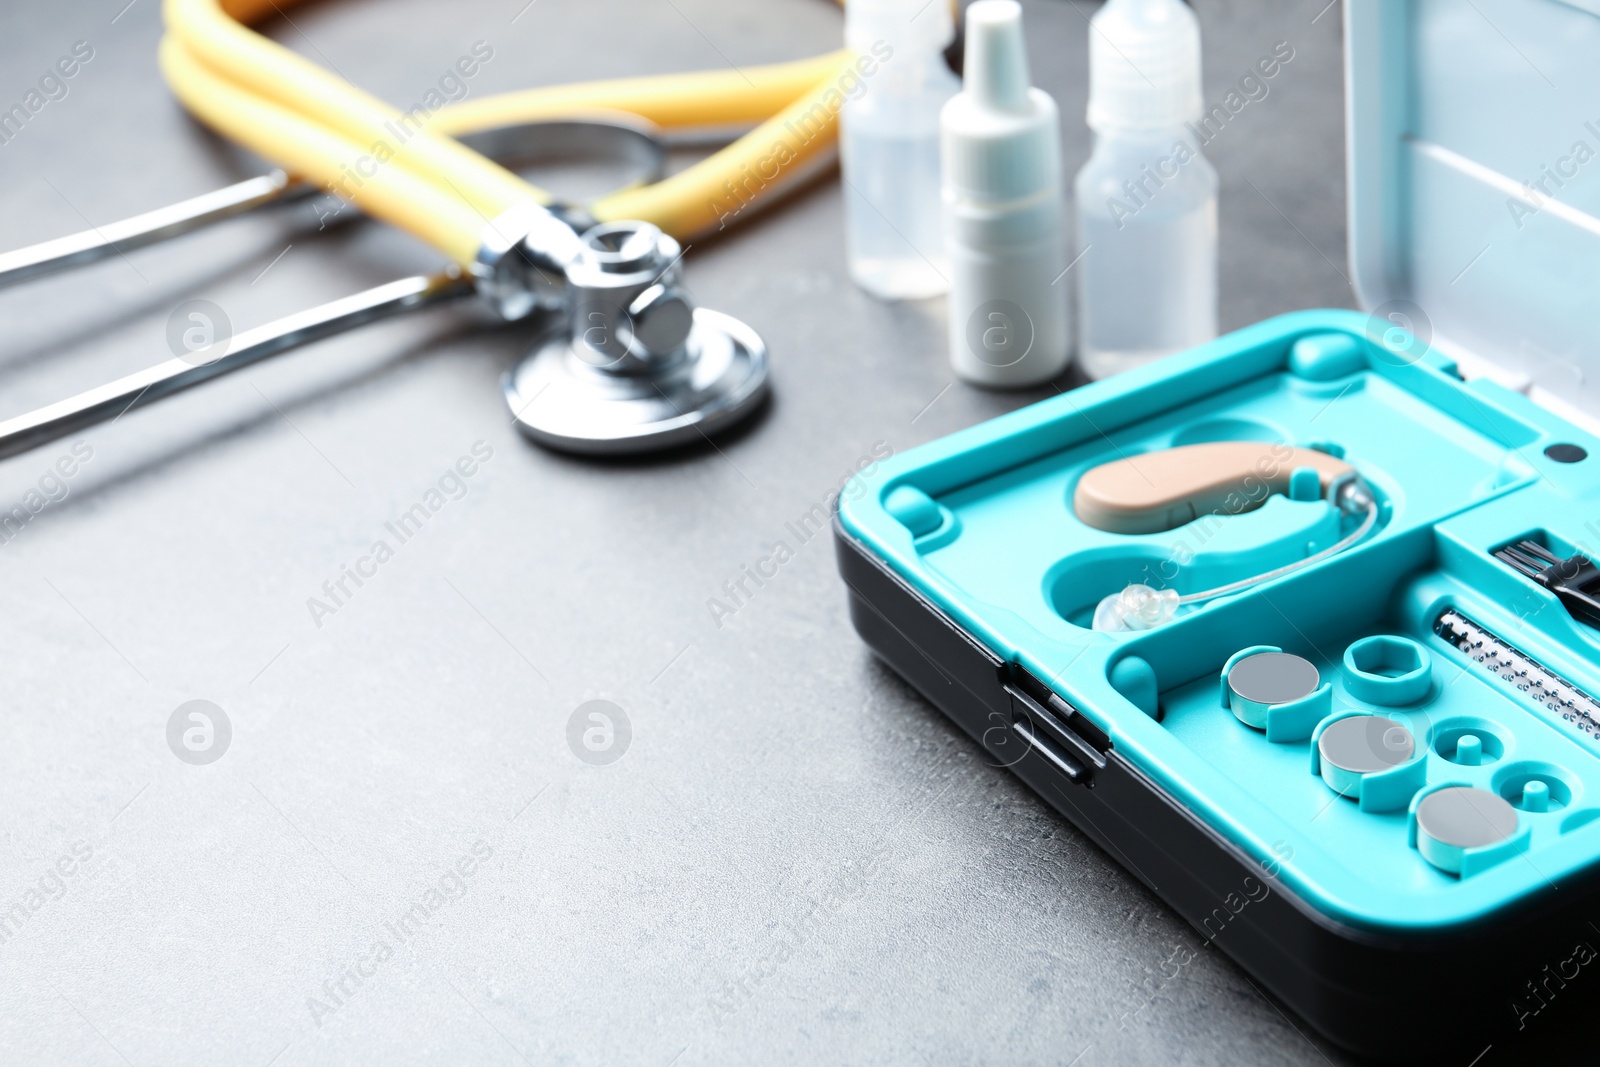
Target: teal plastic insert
981,523
1388,670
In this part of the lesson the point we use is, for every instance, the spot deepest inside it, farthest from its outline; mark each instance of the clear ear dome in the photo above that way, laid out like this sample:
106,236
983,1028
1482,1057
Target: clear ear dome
1138,607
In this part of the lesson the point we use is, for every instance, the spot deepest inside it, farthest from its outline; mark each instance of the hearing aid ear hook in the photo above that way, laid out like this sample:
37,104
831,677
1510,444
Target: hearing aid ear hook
1161,491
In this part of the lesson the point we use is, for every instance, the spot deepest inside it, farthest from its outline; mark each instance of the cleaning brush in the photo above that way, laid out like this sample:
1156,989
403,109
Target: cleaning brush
1575,580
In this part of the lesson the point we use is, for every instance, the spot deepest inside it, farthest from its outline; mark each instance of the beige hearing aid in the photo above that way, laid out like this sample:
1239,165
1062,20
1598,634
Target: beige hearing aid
1162,490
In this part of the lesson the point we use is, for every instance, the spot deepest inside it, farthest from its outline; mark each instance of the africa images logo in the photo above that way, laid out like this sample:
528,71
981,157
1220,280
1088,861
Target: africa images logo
199,732
999,333
599,732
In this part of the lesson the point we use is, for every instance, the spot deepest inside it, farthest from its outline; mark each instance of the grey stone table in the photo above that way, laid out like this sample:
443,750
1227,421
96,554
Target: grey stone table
399,857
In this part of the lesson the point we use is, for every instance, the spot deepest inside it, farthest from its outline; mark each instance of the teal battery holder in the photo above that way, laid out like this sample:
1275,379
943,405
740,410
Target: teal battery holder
1425,817
1287,715
1370,758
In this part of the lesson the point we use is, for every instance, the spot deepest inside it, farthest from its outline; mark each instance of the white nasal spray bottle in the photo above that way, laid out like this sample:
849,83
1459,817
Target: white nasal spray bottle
1004,228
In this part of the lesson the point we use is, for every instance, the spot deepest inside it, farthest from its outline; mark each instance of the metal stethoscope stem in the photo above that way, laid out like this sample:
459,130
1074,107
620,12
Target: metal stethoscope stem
91,246
637,144
115,398
620,341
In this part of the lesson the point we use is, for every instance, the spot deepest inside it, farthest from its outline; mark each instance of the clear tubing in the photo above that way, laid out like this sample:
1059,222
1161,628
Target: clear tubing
1267,576
1139,607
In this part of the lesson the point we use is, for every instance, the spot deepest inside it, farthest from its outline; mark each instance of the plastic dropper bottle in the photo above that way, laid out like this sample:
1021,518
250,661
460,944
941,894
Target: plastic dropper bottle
1004,217
1147,198
889,145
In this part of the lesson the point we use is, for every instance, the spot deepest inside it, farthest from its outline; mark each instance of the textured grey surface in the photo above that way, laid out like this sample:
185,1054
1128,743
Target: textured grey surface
795,860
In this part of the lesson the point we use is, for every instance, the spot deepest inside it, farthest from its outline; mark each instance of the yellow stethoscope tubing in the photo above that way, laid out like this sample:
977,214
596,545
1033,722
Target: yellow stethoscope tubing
272,73
316,153
791,101
285,108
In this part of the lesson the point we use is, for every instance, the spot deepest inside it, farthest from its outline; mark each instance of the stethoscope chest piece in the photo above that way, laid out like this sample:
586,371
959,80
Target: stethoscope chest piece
564,402
631,365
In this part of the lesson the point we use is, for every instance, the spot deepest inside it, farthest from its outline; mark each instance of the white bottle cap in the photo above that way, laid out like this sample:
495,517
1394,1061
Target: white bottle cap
915,26
1001,138
1144,66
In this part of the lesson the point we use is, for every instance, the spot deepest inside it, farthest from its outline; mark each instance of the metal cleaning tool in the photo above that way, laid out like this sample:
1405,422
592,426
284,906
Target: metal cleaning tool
1519,670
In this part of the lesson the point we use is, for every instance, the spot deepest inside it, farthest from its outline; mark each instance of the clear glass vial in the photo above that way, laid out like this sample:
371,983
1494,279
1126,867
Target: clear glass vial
889,146
1147,198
